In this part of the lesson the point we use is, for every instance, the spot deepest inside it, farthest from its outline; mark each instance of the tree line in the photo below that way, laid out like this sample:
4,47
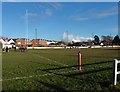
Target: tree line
107,40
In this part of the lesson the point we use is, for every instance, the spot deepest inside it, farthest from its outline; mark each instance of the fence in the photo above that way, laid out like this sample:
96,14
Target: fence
115,70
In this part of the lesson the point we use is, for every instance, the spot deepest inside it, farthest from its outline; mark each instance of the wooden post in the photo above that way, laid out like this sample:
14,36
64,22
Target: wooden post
79,61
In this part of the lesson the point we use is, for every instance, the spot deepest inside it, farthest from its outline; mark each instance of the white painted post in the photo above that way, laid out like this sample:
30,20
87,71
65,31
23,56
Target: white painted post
115,71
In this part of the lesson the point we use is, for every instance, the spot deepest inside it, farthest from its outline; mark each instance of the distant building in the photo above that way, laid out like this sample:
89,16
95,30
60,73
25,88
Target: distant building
7,42
23,41
39,42
51,42
11,41
35,42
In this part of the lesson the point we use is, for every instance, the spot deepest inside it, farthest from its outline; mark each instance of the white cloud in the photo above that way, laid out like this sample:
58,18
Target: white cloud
48,12
32,14
93,13
44,12
112,30
71,37
9,0
78,17
55,5
110,12
29,14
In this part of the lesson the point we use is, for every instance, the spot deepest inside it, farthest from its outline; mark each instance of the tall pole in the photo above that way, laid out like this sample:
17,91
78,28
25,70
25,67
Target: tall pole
67,36
92,36
36,33
26,42
1,47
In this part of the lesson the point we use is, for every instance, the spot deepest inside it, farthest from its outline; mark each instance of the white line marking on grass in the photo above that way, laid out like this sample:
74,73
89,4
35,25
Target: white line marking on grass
47,74
18,78
50,60
8,72
57,62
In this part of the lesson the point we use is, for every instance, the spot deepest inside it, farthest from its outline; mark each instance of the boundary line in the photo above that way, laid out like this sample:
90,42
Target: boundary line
18,78
50,59
26,77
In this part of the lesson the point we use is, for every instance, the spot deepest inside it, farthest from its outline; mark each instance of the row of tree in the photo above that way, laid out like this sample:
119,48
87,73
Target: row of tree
107,40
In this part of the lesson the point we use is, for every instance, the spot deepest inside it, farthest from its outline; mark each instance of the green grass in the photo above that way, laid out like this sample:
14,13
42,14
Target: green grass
56,69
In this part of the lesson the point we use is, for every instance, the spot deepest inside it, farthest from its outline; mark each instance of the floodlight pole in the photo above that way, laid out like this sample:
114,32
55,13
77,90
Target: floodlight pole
67,35
26,42
36,33
92,36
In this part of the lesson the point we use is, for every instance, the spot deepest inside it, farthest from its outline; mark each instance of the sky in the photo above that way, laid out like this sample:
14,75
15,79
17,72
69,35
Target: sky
73,21
0,18
60,0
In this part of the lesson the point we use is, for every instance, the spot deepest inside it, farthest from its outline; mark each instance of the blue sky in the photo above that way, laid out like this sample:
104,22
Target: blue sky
54,19
0,18
60,0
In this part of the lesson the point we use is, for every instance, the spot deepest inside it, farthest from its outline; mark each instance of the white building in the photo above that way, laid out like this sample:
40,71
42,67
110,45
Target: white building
50,42
7,43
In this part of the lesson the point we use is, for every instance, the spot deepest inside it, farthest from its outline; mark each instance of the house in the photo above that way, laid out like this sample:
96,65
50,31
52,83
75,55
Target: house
7,42
49,42
20,41
43,42
35,42
11,41
2,42
14,40
23,41
39,42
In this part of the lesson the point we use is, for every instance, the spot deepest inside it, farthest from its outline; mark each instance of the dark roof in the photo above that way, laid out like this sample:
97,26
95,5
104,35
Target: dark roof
14,40
35,39
22,38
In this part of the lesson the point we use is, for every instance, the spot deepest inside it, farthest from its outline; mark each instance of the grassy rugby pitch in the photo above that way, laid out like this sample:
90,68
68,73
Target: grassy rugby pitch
56,69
